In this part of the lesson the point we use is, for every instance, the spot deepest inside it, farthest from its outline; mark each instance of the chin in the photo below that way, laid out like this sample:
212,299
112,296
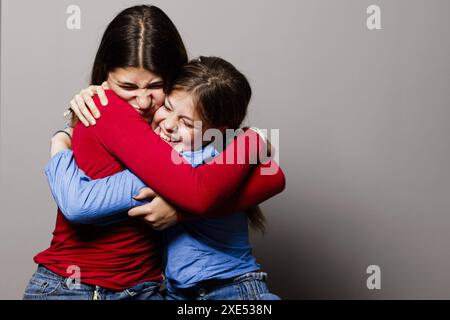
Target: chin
177,147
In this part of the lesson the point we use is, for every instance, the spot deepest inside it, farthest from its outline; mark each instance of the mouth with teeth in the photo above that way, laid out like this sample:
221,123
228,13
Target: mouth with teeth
166,137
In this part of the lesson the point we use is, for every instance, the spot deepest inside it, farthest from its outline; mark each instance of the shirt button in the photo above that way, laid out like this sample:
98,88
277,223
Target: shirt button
201,292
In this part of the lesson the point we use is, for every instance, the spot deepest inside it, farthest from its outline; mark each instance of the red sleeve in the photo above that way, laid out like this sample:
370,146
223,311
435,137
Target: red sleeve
258,188
124,133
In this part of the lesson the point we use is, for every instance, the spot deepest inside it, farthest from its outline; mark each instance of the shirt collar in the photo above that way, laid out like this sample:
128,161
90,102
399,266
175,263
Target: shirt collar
197,157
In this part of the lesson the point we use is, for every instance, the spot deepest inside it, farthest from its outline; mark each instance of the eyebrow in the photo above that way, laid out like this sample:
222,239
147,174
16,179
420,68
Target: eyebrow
182,116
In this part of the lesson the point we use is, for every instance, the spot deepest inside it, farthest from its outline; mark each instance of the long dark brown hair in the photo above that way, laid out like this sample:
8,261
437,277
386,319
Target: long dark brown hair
221,95
142,37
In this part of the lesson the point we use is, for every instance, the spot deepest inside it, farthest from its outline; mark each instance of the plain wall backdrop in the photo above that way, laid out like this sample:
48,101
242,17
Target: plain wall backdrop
364,134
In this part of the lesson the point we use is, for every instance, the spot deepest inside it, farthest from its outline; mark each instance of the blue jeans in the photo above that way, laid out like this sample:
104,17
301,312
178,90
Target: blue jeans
47,285
249,286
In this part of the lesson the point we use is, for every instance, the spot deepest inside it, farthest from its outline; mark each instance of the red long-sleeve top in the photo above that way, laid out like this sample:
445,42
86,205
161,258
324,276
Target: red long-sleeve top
122,255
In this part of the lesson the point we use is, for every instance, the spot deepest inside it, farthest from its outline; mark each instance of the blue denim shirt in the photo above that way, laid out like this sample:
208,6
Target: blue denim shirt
202,249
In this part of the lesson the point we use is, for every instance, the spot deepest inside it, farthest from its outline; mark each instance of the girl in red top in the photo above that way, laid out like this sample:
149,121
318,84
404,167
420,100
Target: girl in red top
139,55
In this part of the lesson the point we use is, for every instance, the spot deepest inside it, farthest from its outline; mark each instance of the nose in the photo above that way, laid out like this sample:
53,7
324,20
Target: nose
144,100
170,124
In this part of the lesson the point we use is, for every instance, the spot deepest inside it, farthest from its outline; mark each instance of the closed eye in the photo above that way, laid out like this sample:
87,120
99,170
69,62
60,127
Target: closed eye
189,125
156,85
128,88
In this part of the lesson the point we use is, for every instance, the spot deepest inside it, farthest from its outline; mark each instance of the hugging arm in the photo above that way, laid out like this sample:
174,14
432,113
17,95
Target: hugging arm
258,188
200,190
86,201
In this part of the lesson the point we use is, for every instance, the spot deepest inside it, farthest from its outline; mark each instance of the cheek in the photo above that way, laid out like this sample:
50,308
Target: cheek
159,97
159,116
185,135
190,135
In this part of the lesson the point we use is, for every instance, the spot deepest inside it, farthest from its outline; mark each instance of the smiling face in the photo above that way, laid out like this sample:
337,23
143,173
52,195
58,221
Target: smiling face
139,87
177,122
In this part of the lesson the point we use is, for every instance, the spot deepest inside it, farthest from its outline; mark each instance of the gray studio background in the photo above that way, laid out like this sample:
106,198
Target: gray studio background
363,118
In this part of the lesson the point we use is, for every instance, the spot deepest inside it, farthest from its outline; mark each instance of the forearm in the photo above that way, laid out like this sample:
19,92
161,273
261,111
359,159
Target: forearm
258,188
86,201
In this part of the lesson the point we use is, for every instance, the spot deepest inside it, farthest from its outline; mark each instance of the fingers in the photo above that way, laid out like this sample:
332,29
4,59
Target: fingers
84,106
102,95
105,85
100,90
140,211
76,110
145,193
145,212
156,225
81,102
158,213
149,219
87,97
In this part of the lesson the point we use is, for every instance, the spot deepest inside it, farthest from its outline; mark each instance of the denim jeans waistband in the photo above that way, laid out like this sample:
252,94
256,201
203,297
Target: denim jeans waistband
44,271
212,283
